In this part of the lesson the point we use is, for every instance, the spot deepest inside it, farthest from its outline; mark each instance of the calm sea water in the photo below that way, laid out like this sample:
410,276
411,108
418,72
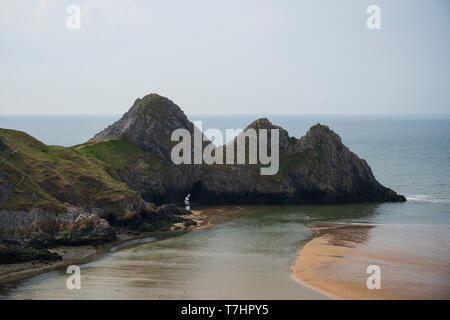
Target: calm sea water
250,256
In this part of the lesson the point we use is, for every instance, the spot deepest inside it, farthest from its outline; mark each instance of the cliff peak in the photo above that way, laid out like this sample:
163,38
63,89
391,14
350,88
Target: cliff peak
285,142
154,102
149,123
317,168
320,133
261,123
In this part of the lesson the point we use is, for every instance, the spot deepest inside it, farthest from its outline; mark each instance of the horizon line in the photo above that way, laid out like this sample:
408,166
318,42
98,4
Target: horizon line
228,114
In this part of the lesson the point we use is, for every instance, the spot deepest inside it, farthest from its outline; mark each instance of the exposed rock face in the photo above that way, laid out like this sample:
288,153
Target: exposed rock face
172,209
87,228
54,195
153,218
51,195
286,143
13,251
149,123
317,168
43,227
336,173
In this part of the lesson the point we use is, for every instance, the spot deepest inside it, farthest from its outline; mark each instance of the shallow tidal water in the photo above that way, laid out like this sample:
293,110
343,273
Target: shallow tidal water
249,256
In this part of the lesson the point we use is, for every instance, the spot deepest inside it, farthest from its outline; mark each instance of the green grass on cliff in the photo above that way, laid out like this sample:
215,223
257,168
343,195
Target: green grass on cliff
37,175
21,193
116,153
116,156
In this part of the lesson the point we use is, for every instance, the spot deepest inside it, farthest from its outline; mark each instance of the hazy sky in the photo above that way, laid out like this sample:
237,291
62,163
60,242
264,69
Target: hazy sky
208,56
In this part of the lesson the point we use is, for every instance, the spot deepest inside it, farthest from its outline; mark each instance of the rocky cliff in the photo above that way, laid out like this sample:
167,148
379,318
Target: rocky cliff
51,195
149,125
317,168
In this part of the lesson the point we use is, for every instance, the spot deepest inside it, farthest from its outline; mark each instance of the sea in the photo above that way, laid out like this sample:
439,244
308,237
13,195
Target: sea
251,256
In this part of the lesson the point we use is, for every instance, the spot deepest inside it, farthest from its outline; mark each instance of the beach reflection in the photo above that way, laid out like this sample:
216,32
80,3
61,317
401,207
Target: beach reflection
249,255
414,260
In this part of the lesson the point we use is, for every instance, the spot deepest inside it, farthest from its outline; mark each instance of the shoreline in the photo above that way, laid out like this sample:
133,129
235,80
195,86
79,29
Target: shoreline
303,283
334,261
84,254
204,217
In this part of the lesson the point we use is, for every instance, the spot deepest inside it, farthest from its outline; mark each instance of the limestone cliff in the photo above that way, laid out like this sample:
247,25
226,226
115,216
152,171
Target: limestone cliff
52,195
149,125
55,195
317,168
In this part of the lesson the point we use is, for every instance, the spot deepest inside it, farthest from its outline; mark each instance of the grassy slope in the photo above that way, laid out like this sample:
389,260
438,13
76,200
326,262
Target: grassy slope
89,174
49,177
116,155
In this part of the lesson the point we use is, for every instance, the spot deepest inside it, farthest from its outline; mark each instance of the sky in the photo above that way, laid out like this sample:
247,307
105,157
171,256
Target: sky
226,56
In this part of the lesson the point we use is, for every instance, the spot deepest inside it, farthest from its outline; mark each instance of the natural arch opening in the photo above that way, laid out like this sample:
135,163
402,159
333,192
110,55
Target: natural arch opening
196,192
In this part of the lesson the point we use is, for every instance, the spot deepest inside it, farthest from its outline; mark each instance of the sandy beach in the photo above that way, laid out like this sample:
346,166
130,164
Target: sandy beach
204,218
414,261
69,254
237,253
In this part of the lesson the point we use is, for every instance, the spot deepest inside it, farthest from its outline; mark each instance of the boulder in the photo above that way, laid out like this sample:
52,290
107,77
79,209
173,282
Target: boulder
14,251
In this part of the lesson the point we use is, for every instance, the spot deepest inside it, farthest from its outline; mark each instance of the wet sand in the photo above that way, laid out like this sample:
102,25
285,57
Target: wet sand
414,261
248,256
70,255
204,218
207,217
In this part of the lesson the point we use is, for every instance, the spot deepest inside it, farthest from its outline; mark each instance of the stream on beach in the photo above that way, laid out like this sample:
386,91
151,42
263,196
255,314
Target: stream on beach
250,256
247,256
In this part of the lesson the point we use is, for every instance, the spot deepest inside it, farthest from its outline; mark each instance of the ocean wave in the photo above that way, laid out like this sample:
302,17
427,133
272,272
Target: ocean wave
425,198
